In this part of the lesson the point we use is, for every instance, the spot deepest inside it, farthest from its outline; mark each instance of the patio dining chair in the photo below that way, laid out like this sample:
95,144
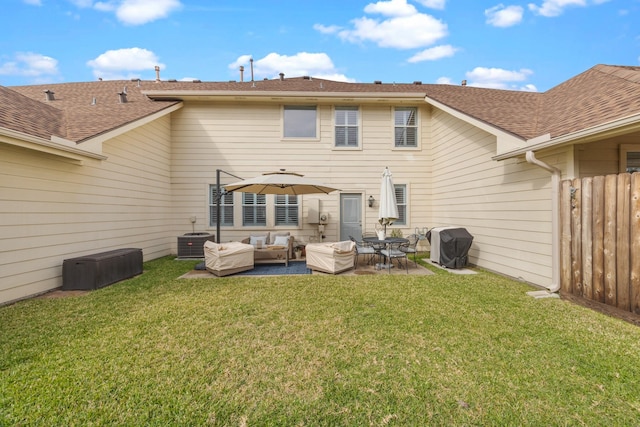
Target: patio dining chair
363,248
412,247
395,251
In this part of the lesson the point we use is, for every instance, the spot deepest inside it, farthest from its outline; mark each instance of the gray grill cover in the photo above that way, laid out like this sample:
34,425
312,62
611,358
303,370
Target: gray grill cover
454,247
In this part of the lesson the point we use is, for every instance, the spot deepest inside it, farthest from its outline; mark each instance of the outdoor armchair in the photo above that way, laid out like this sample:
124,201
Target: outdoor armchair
223,259
331,258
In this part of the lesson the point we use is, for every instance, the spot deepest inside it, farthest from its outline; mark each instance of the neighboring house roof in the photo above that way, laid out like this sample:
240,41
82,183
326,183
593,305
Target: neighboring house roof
73,115
599,95
23,114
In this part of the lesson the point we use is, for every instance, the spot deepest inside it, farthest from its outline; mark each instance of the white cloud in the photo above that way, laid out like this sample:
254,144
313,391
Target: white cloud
124,63
39,67
391,8
501,16
551,8
433,4
402,27
301,64
133,12
327,29
444,81
405,32
138,12
498,78
434,53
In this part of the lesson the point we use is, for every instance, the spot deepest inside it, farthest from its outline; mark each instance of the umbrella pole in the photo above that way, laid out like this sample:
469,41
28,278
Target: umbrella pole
218,205
218,198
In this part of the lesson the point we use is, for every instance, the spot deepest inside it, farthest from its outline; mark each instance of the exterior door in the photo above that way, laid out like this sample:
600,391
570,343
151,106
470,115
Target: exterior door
350,215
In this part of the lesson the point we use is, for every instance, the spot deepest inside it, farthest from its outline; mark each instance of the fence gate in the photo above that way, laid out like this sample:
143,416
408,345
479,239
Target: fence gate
600,245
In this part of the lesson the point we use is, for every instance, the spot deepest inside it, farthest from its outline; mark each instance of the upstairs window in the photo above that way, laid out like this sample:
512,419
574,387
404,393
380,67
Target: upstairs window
226,208
286,209
347,126
254,209
406,127
300,121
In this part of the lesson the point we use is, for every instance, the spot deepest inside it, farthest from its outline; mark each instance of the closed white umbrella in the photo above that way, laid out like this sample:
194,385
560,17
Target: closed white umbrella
388,211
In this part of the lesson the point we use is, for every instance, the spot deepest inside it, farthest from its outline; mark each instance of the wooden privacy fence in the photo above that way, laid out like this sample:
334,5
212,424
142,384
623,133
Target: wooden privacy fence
600,244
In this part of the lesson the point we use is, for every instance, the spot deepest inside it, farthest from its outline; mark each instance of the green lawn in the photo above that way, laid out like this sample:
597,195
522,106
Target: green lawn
315,350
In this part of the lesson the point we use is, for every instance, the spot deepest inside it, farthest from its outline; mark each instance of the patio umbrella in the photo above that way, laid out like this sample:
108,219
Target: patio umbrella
280,182
388,211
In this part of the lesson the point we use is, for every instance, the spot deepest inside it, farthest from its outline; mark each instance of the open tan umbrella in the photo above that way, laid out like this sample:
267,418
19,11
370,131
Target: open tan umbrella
280,182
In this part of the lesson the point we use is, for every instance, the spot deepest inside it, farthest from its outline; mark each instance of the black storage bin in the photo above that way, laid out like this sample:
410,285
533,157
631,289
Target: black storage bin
102,269
191,245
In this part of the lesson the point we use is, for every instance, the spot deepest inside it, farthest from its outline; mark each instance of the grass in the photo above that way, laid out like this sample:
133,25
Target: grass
314,350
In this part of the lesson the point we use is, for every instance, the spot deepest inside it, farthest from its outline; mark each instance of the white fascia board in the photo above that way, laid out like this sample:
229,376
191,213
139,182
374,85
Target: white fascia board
504,140
282,95
95,142
56,146
604,130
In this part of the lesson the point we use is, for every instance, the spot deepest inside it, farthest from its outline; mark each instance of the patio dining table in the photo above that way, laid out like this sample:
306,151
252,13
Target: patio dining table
379,244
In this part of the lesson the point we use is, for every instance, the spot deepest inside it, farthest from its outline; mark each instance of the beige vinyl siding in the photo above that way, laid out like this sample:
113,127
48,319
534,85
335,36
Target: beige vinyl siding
246,140
602,157
505,205
54,209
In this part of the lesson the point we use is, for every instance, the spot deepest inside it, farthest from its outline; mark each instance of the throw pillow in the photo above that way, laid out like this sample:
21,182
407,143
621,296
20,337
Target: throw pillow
253,240
281,241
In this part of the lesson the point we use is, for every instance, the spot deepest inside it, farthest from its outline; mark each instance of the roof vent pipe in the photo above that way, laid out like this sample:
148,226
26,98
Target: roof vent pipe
281,76
123,97
94,101
242,73
157,73
464,83
555,225
377,82
251,63
49,95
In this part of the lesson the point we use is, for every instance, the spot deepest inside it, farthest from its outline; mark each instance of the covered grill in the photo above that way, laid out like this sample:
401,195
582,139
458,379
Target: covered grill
449,246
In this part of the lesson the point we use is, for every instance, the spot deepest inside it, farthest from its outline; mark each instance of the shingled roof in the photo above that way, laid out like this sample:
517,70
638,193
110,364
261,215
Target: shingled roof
80,110
599,95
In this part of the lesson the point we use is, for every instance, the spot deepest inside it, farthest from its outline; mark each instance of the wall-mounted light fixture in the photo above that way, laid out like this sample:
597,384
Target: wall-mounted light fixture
371,200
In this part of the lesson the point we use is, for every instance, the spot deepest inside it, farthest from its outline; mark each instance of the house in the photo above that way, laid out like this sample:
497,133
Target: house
95,166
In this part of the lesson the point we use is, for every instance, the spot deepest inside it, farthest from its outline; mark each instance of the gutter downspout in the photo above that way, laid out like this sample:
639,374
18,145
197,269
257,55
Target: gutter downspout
555,225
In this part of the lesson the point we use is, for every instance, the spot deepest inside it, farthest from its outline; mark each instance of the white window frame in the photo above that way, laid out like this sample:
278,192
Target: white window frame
256,203
226,208
357,127
415,127
625,149
290,207
403,205
287,132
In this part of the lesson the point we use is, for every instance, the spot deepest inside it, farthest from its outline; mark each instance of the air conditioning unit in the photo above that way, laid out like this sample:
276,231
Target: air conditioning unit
191,245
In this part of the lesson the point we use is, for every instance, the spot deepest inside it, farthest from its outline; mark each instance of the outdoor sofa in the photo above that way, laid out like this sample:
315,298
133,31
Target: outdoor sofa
270,239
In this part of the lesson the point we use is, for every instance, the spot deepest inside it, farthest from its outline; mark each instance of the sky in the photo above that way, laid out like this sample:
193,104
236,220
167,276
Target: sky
529,45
